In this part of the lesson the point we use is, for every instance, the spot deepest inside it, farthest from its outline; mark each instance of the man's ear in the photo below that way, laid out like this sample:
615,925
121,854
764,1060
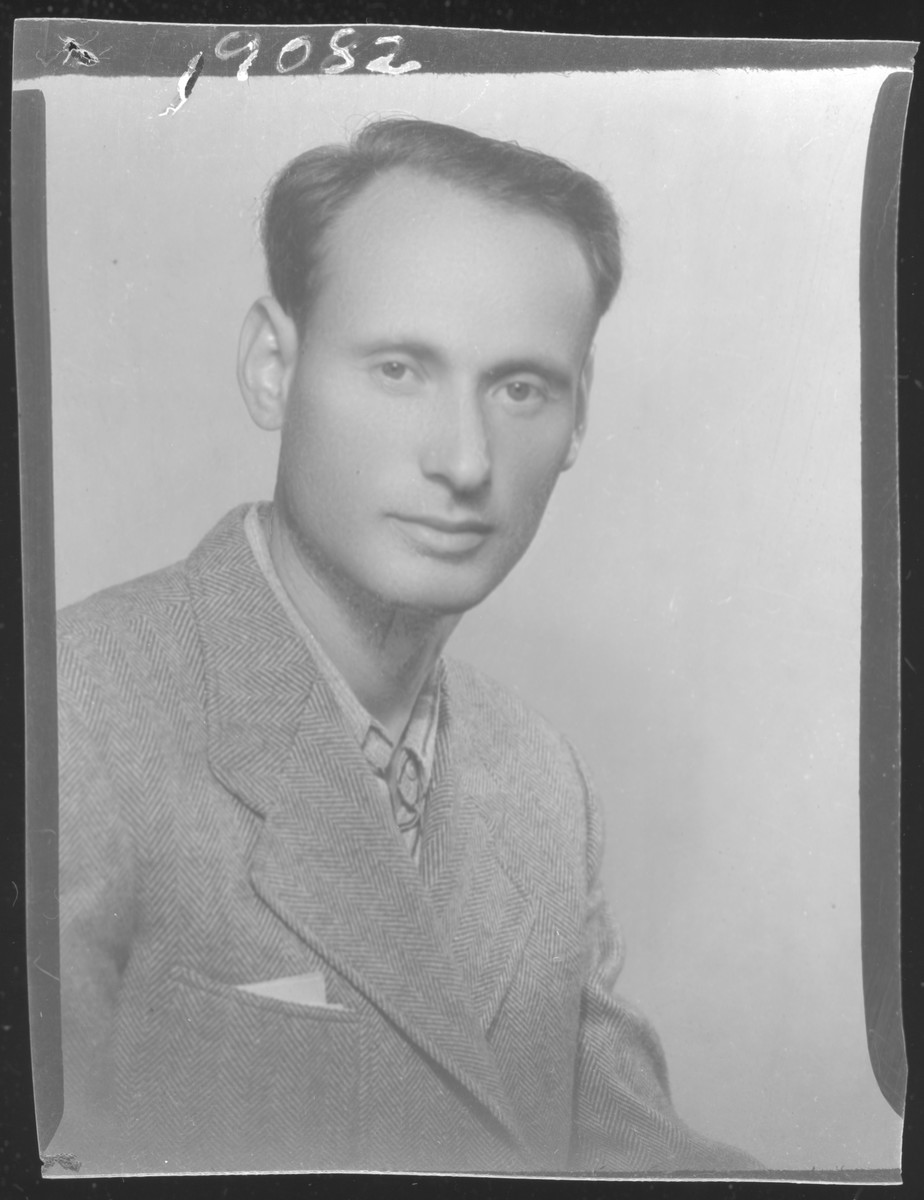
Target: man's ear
581,404
266,358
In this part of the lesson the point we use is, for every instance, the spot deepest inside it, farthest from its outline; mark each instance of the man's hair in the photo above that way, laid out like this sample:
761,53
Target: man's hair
307,195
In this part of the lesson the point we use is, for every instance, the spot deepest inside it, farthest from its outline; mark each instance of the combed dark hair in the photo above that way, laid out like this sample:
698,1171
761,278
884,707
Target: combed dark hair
309,192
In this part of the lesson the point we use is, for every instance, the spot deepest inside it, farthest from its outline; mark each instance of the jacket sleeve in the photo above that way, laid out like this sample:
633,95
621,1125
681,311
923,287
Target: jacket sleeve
95,885
624,1120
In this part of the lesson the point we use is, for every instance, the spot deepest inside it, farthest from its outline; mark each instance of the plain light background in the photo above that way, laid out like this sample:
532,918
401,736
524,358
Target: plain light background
689,614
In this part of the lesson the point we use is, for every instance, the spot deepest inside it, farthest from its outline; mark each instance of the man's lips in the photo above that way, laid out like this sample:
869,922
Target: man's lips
445,535
447,524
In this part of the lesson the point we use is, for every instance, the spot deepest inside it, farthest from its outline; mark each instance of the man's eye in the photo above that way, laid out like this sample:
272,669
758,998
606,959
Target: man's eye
520,391
396,372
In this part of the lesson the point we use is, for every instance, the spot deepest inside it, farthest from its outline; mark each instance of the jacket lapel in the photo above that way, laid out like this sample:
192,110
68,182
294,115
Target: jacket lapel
329,862
483,906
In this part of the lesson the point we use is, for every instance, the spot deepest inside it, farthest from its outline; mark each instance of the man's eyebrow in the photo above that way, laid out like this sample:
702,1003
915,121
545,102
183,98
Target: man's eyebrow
399,345
557,376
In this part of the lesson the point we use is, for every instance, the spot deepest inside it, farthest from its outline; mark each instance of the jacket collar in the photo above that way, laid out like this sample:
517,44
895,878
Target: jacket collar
434,948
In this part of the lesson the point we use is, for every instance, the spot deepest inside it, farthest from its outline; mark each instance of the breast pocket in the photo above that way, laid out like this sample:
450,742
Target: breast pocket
249,1082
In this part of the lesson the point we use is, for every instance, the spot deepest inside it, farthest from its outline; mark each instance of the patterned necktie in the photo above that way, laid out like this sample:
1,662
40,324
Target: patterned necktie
406,791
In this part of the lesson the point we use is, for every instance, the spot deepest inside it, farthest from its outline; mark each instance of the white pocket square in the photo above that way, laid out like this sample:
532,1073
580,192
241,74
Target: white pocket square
308,990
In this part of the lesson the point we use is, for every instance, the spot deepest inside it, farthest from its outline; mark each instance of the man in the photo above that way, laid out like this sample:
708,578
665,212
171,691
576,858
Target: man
328,899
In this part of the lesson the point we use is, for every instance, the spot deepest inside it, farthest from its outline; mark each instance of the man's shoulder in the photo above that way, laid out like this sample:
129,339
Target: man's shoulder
158,597
484,695
123,604
146,627
131,639
495,715
501,747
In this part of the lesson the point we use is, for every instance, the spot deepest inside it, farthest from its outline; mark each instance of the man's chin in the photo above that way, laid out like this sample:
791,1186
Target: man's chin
450,599
437,606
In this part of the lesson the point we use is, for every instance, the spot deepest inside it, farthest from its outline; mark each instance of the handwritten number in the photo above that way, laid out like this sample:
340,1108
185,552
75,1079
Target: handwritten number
223,52
384,65
339,60
297,42
330,66
185,85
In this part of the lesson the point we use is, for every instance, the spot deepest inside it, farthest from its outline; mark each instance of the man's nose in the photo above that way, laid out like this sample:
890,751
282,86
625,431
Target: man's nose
457,446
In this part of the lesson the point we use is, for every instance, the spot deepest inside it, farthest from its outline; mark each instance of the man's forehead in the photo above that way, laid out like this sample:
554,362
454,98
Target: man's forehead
444,302
404,199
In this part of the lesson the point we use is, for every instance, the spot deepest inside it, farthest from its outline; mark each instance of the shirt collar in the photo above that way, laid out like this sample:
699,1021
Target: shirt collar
419,737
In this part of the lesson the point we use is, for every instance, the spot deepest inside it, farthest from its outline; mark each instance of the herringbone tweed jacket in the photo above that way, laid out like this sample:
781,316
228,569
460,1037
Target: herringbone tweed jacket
218,827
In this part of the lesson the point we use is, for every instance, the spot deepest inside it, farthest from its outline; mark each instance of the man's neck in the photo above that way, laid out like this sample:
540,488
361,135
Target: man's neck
385,653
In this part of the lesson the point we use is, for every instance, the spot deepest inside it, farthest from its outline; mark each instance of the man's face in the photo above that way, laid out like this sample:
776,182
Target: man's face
437,394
